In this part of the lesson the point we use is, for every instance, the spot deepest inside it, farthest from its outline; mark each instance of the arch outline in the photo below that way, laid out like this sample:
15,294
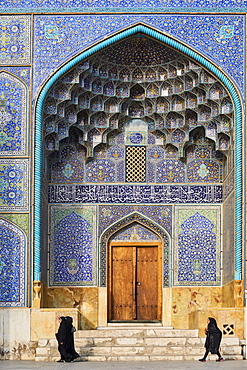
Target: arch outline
139,218
187,51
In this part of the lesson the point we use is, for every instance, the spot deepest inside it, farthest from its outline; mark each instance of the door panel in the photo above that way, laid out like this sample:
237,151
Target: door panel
135,285
147,283
122,300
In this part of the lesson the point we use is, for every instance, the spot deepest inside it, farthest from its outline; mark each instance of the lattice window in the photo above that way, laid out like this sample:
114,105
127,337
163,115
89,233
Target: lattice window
135,163
228,329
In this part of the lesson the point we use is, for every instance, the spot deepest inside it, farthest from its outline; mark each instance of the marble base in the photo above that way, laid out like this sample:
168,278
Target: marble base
84,299
15,340
44,322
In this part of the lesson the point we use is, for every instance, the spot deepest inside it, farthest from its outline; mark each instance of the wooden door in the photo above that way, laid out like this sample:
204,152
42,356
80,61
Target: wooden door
135,292
147,283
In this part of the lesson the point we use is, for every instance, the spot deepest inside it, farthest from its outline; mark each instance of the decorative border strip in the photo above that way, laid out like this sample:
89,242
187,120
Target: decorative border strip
190,53
137,194
86,10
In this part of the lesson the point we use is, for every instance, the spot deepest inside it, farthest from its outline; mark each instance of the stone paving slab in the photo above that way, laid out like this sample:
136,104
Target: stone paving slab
131,365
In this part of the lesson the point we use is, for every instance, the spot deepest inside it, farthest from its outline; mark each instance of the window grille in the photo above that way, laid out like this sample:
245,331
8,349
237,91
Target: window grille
135,164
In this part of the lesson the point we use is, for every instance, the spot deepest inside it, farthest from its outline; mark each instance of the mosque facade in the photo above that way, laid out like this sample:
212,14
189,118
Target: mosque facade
122,163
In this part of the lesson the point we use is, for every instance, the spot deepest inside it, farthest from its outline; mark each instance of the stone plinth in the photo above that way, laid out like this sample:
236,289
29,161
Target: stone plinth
229,320
44,322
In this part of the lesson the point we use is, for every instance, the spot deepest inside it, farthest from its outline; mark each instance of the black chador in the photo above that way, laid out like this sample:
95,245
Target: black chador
65,338
213,340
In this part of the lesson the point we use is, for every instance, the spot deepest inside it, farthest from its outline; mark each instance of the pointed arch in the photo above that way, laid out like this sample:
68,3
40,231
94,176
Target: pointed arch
139,218
169,41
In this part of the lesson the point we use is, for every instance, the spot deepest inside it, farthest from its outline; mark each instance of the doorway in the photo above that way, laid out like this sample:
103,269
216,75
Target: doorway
135,282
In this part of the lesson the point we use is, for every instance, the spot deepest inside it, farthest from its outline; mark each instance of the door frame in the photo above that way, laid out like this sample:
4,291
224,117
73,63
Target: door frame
157,244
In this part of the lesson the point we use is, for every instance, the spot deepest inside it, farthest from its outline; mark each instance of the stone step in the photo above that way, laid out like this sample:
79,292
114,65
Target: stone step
139,343
140,358
133,332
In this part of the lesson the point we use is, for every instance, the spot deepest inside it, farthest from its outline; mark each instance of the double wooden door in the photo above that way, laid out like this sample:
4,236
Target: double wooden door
135,283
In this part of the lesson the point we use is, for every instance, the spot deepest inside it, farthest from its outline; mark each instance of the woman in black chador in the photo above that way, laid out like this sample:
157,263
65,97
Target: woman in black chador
65,338
213,340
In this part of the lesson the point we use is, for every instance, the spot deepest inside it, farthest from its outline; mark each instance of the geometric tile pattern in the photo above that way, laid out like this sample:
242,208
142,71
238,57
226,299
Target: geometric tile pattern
197,255
12,265
13,115
14,186
72,254
220,37
15,39
135,164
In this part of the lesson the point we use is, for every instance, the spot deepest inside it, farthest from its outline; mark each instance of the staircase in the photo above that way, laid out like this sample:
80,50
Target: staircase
138,343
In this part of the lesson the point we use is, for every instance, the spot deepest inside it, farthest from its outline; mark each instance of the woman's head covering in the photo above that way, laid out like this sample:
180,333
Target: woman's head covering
212,321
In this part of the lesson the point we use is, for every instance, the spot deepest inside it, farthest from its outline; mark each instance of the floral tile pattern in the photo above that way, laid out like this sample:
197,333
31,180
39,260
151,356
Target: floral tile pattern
14,185
13,115
197,256
15,39
73,246
12,265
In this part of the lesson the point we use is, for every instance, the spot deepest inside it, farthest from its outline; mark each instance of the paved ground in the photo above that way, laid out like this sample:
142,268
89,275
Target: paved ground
32,365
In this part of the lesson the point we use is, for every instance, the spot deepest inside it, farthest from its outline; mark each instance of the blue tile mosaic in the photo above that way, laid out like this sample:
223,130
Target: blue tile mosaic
197,256
59,38
203,171
73,259
108,215
135,233
24,73
12,265
123,5
13,115
14,188
170,171
15,39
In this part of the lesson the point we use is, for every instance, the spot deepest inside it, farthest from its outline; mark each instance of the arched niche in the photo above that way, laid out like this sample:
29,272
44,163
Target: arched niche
125,76
13,272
